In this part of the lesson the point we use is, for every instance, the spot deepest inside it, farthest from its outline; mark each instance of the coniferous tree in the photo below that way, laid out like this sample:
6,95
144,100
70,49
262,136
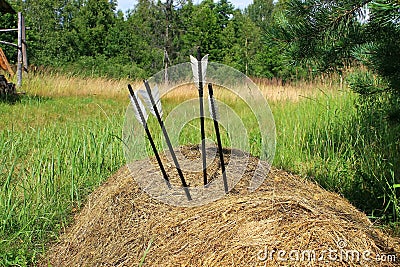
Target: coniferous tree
261,13
92,23
146,26
269,58
330,35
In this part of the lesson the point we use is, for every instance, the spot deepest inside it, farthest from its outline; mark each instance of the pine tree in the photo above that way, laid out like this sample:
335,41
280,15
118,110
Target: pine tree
330,35
381,54
92,22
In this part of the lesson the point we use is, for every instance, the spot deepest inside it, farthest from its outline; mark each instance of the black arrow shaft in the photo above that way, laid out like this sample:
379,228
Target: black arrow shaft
202,127
165,133
217,133
153,146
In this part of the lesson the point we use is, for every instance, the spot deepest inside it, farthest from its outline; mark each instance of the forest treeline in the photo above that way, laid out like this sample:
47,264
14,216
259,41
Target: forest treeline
93,37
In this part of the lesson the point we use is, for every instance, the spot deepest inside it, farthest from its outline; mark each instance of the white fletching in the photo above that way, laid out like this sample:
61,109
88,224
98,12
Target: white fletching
157,99
142,109
213,106
195,68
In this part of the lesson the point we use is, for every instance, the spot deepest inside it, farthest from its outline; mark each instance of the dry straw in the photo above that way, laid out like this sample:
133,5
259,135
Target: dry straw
55,85
286,213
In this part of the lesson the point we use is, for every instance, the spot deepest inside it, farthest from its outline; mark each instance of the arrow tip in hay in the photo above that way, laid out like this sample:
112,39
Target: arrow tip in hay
120,224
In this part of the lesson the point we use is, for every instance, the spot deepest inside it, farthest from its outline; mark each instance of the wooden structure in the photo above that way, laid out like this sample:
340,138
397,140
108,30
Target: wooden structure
22,60
6,88
4,63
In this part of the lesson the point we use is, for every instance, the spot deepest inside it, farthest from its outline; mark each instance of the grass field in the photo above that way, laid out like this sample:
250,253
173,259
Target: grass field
63,139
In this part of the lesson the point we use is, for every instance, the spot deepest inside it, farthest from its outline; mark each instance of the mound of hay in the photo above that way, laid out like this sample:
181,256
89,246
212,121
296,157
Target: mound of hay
288,221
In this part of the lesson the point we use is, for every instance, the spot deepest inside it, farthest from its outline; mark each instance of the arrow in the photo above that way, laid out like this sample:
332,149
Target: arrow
215,116
199,68
142,116
157,99
153,108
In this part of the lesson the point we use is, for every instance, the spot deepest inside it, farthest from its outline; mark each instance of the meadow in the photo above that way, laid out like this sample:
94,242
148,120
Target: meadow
62,139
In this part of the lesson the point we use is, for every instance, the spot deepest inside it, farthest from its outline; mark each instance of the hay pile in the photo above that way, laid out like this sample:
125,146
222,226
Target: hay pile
287,213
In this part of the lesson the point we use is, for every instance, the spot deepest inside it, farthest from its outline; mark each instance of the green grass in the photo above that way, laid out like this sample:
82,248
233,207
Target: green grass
56,149
313,137
354,152
54,152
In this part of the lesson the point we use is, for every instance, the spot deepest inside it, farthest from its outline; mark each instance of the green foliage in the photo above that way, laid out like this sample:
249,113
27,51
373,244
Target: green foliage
9,21
66,34
94,19
366,83
101,66
270,57
261,12
329,36
321,34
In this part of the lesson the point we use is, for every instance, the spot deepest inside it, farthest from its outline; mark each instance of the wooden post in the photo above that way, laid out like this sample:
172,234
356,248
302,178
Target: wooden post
247,56
23,41
166,59
20,57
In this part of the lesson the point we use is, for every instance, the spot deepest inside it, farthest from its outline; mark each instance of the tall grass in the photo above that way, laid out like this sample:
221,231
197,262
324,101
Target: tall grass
328,139
48,172
55,150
